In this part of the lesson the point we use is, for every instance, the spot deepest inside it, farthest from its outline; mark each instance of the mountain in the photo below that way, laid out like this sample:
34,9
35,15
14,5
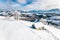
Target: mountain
42,11
37,11
54,10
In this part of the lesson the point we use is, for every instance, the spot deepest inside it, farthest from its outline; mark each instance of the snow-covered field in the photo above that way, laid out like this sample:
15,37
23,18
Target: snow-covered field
20,30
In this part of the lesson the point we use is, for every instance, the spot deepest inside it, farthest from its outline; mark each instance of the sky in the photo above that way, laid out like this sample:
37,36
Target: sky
30,4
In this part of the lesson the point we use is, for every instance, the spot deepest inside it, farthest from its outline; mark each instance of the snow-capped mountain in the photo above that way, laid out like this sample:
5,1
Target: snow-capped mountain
43,11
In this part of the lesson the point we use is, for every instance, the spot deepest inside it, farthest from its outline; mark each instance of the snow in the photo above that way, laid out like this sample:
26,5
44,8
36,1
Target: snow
51,29
55,31
6,18
1,17
39,24
54,17
29,24
20,30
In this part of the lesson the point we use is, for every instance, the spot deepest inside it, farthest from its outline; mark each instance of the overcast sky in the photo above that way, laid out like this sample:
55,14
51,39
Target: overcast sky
30,4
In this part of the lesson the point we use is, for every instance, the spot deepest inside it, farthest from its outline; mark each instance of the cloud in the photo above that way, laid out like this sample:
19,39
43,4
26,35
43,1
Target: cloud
30,4
21,1
43,5
10,4
7,4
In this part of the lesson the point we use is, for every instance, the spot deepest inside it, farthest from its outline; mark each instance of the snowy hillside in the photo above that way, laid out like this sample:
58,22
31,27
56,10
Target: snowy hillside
17,30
